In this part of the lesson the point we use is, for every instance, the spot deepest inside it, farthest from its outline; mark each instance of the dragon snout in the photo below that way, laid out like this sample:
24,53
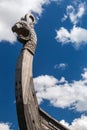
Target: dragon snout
14,28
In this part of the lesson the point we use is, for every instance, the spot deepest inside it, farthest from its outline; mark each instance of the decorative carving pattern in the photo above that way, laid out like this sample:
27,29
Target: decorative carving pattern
30,46
26,33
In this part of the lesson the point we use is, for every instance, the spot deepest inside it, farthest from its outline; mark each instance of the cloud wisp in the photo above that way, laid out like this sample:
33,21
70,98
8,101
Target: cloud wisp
75,15
61,93
60,66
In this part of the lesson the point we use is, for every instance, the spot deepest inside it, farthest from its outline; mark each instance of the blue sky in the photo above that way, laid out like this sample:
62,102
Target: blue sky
60,61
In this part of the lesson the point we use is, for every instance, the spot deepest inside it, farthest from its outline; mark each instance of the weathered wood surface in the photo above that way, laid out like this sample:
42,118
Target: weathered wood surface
30,116
27,106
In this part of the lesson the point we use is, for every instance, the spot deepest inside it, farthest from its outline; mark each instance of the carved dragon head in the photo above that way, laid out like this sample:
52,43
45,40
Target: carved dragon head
23,28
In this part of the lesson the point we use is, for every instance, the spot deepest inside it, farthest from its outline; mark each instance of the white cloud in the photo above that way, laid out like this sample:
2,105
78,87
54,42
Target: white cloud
63,35
5,126
74,13
60,66
61,93
77,124
64,18
77,36
12,10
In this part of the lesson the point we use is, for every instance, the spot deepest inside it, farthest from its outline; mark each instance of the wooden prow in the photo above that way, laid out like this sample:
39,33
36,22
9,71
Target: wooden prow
30,116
